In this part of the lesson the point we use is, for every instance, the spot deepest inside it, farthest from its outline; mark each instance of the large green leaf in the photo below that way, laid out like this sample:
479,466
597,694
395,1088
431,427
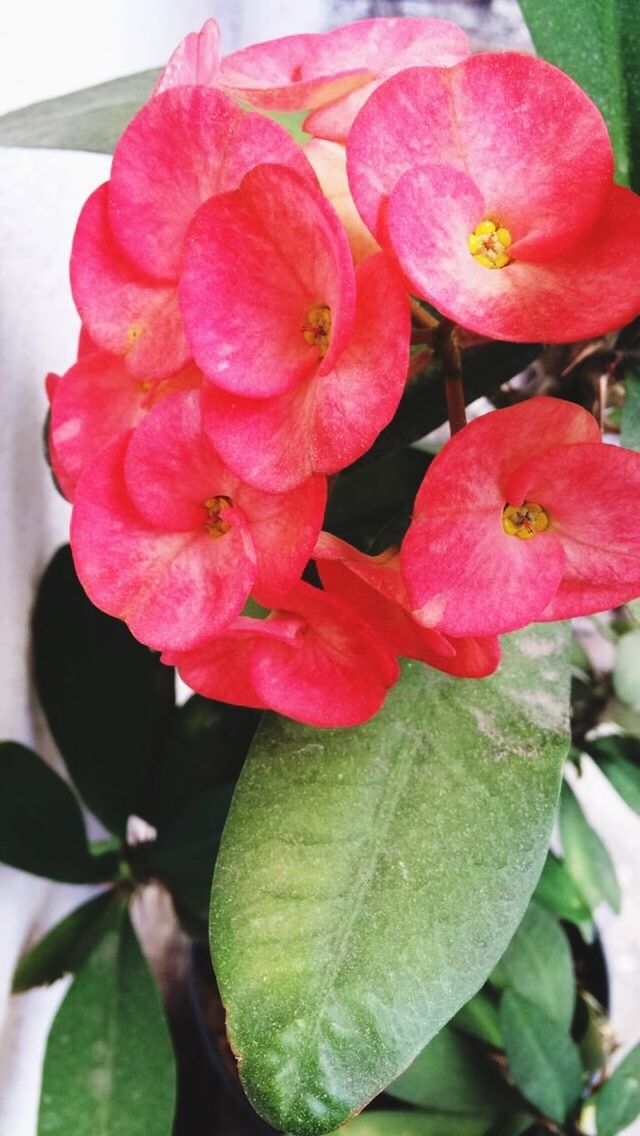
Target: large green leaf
41,826
109,1067
453,1074
107,698
405,1123
65,948
543,1060
597,42
92,119
538,964
586,857
618,1102
369,879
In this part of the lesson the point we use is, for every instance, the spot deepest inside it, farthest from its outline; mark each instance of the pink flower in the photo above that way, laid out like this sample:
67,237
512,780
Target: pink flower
524,515
329,160
306,357
93,402
338,70
195,61
313,659
185,145
373,587
165,537
492,182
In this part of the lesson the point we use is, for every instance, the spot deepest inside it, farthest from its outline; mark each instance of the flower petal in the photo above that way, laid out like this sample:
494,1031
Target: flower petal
195,61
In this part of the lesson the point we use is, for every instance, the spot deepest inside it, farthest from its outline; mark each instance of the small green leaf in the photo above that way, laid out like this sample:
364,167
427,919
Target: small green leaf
544,1062
592,1033
515,1125
41,826
414,1123
453,1074
369,879
107,698
184,854
538,964
557,891
423,406
618,1102
604,58
630,428
480,1018
585,855
626,670
92,119
66,947
109,1067
618,756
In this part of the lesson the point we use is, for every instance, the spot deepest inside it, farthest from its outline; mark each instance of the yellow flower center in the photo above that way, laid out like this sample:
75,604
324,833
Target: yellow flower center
524,521
316,329
214,524
488,244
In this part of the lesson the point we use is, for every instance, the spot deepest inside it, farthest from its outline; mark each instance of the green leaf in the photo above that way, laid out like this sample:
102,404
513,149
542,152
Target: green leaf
543,1060
65,948
184,854
401,1122
618,1102
106,697
376,501
604,58
453,1074
423,406
92,119
41,826
479,1017
630,428
618,756
369,879
515,1125
538,964
109,1067
585,855
626,671
557,891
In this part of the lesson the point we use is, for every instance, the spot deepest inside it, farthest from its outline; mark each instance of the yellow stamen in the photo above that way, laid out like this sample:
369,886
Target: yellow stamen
215,507
316,329
488,244
524,521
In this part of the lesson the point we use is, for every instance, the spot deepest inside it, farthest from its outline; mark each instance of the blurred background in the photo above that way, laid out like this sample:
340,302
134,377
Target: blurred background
50,49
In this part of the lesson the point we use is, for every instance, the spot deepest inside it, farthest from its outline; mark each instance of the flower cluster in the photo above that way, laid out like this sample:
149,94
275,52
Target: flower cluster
245,302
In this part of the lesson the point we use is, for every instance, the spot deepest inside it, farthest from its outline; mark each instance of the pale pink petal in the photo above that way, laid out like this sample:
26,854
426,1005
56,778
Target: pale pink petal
195,62
257,261
174,590
125,312
329,161
184,146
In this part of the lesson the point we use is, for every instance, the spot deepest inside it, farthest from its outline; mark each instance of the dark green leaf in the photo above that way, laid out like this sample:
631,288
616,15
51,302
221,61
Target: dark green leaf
515,1125
369,879
453,1074
618,1102
597,42
41,826
404,1123
109,1067
557,891
423,406
184,854
107,698
538,964
66,947
206,745
630,428
376,499
543,1061
92,119
479,1017
585,855
618,756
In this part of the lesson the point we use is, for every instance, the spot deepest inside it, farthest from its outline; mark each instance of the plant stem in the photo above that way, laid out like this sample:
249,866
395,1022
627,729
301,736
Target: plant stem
449,354
421,316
